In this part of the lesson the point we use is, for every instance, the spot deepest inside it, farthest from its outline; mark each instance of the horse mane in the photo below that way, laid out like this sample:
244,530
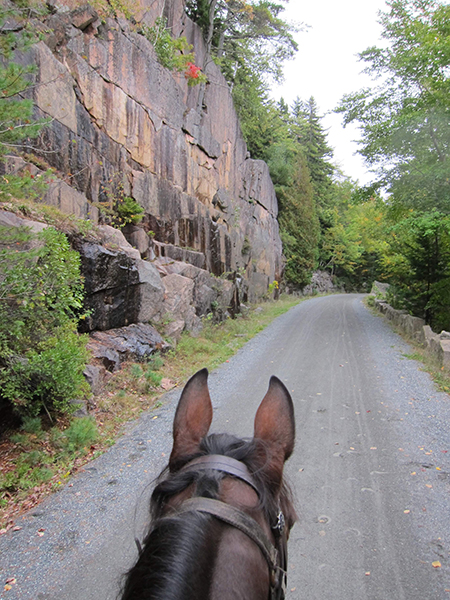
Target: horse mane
178,552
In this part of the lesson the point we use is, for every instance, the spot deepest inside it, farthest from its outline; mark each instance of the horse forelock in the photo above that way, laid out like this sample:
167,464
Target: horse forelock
175,548
250,452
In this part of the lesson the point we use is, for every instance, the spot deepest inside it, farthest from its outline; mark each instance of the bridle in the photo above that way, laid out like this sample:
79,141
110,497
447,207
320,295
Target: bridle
274,554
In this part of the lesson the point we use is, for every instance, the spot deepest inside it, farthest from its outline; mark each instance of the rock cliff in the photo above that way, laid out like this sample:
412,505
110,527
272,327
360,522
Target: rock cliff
210,231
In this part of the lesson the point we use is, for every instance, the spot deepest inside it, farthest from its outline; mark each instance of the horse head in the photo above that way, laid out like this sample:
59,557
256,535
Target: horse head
221,512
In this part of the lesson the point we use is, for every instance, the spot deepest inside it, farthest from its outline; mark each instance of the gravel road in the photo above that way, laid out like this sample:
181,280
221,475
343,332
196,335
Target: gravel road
371,470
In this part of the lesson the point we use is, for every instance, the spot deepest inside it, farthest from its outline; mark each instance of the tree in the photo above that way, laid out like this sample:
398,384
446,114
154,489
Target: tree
299,226
245,33
405,120
417,265
310,135
16,112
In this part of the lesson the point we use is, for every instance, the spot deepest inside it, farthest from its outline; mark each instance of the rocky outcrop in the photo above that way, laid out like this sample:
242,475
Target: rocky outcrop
121,120
321,283
111,348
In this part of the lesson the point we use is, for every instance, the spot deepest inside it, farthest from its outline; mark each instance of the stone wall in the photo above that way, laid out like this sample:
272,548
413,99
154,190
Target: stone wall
118,116
438,345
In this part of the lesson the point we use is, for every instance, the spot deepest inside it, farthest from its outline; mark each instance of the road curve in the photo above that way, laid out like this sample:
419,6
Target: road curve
371,471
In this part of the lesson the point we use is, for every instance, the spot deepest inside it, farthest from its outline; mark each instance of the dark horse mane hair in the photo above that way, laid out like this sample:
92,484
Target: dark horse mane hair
178,551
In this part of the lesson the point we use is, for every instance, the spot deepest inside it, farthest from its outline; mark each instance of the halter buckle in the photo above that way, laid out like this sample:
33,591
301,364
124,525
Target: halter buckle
280,524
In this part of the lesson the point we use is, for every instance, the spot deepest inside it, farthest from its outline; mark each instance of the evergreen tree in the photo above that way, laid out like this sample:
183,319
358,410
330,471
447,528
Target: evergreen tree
299,225
307,129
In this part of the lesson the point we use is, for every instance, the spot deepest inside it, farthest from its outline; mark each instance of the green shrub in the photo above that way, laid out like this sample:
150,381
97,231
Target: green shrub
32,425
42,357
47,377
155,362
128,211
81,433
136,372
153,379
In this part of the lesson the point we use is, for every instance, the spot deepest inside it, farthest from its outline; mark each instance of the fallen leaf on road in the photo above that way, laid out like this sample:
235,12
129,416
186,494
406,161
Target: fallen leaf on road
428,485
436,564
155,417
406,512
413,473
40,532
373,448
367,573
7,587
167,384
11,580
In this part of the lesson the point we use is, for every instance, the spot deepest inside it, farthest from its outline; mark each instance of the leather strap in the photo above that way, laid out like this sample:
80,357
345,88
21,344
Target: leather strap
237,518
225,464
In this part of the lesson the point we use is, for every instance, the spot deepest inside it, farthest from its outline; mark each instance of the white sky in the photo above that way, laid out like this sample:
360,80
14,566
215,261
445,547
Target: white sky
326,65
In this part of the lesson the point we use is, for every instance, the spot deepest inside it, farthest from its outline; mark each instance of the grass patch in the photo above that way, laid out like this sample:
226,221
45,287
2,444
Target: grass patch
41,456
440,377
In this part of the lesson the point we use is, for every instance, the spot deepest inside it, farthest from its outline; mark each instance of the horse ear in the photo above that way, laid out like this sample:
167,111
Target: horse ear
275,426
192,418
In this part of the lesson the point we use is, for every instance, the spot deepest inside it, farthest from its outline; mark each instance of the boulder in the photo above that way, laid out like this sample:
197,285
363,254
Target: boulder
136,342
139,239
9,219
95,375
114,239
119,290
178,296
379,289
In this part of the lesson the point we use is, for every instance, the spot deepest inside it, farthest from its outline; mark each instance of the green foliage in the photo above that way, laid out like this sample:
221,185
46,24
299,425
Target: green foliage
405,121
153,379
299,226
32,425
354,239
48,376
418,266
128,211
17,125
241,33
310,135
136,371
80,434
115,207
174,54
41,355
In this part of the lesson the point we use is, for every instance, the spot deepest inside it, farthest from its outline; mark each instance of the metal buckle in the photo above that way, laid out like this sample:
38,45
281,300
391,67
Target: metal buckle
280,524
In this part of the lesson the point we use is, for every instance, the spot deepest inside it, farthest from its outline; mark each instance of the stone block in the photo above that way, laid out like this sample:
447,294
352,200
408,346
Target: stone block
445,346
178,295
414,328
115,239
151,291
83,16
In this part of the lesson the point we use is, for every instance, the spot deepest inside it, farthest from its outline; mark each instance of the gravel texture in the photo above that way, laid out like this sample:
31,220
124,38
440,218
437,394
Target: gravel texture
372,442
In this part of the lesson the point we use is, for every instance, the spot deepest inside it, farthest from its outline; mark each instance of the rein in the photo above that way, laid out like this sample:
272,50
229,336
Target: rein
275,555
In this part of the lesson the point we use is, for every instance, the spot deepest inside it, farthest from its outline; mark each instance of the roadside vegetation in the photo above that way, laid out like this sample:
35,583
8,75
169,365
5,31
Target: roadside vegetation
396,230
40,455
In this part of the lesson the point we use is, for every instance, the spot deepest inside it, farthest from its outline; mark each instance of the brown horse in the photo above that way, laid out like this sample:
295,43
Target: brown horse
221,513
